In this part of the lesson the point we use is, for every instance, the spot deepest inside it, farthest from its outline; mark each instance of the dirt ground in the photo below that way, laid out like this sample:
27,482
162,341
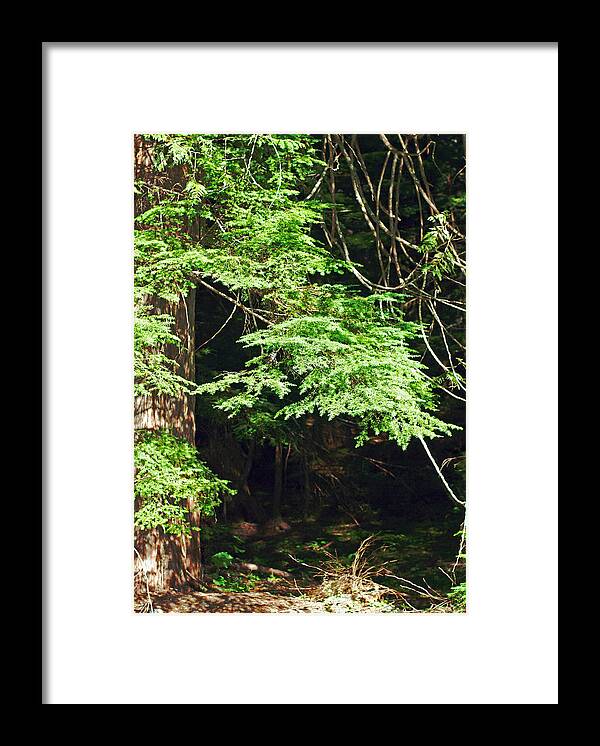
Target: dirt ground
231,603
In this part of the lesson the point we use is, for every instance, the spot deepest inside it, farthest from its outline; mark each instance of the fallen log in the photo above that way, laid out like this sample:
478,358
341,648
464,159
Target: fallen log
251,567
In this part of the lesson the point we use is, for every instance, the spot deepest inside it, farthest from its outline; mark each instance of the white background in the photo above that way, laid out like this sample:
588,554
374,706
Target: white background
504,650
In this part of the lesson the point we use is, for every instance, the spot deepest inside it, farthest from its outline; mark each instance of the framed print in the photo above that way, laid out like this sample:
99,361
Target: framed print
267,269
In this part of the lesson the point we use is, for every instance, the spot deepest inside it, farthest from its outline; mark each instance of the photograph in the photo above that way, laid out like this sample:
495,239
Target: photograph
299,373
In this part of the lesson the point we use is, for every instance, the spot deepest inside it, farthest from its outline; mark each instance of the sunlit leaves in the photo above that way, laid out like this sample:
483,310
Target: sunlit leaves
353,362
168,478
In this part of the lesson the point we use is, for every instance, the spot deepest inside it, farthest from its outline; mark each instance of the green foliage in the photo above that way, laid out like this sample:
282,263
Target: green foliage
154,370
232,217
437,243
458,597
163,264
270,251
352,359
326,348
221,560
232,583
168,475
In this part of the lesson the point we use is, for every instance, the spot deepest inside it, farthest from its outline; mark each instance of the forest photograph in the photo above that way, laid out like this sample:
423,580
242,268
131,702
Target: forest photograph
299,373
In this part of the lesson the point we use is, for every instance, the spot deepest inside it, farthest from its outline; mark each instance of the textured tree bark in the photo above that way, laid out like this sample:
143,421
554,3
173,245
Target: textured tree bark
278,482
252,507
162,561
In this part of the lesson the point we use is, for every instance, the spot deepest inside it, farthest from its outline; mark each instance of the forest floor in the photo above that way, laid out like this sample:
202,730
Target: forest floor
420,551
233,602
